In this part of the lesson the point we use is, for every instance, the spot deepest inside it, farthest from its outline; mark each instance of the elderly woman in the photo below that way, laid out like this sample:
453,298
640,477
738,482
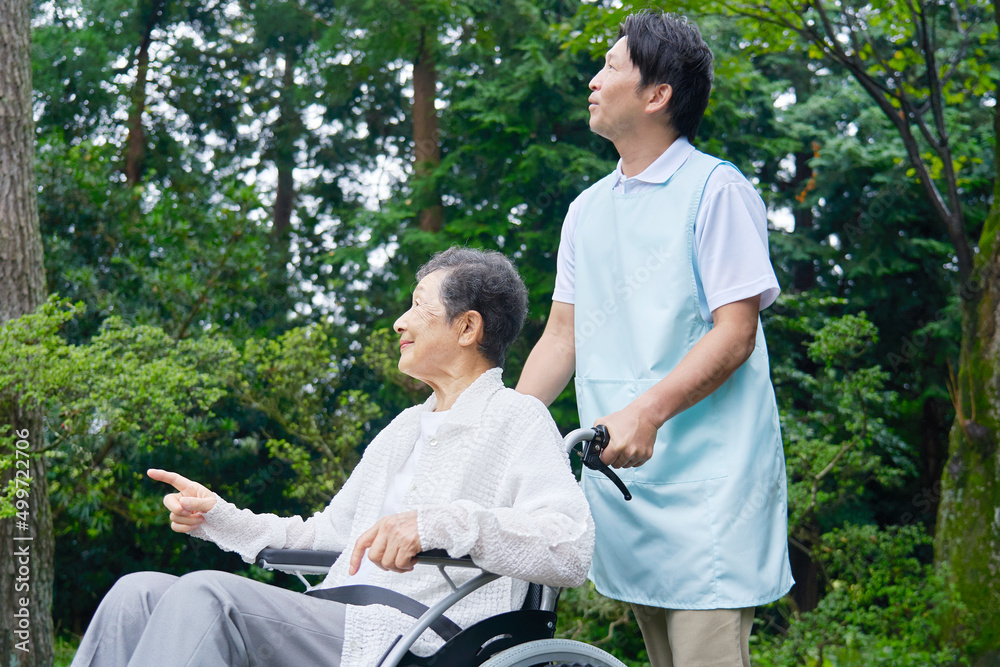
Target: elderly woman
478,469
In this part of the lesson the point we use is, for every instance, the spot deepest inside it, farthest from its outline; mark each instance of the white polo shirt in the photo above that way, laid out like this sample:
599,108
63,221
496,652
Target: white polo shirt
731,257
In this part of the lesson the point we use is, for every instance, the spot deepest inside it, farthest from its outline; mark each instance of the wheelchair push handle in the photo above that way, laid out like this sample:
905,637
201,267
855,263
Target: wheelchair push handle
595,440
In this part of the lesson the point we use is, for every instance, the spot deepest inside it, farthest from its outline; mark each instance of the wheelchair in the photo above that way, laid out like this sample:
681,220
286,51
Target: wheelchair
522,638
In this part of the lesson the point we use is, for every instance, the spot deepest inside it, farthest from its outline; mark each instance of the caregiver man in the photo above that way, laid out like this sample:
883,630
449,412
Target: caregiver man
663,268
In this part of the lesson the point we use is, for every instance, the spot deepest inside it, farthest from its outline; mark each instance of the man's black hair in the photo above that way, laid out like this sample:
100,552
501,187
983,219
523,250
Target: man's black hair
669,49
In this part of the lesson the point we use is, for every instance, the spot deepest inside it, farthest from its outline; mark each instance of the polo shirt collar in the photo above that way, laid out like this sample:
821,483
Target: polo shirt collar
662,167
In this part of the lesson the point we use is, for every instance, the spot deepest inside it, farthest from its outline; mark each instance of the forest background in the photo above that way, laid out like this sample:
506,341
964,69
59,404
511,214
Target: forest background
230,199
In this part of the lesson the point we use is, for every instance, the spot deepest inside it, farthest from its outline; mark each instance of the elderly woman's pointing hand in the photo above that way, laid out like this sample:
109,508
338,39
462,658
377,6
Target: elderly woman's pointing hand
187,505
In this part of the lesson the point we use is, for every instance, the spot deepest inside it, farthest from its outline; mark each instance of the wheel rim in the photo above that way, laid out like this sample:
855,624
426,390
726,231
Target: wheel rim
557,651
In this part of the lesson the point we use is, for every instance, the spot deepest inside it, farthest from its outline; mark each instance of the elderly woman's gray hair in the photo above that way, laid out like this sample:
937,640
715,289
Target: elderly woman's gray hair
487,282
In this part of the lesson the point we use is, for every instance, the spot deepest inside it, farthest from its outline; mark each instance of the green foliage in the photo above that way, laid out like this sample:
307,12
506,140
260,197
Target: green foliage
65,650
586,615
134,397
589,613
131,388
186,260
885,606
143,382
294,380
881,602
837,442
30,347
27,345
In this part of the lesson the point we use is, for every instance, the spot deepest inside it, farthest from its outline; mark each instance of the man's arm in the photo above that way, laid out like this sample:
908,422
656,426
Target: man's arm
703,369
553,359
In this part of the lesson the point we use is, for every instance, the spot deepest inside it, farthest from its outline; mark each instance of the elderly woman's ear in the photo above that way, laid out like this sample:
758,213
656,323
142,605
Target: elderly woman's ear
471,332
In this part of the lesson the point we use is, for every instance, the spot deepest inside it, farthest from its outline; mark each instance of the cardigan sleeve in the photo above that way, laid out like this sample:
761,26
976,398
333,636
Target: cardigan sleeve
546,533
246,533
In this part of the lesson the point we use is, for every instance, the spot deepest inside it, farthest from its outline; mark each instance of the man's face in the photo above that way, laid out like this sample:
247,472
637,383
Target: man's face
615,107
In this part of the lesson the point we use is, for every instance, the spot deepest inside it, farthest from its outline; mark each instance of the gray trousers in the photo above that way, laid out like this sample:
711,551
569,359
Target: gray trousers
212,619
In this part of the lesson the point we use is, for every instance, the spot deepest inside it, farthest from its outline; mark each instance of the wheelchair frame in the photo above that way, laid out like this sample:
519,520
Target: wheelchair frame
522,638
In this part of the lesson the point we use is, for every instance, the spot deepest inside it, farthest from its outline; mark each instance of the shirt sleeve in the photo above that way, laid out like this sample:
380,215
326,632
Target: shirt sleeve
565,289
246,533
730,246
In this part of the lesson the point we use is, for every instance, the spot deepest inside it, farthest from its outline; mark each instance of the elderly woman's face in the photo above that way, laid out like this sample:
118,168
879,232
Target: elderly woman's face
426,341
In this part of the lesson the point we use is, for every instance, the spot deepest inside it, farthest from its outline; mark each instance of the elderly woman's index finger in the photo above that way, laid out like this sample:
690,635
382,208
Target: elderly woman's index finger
179,482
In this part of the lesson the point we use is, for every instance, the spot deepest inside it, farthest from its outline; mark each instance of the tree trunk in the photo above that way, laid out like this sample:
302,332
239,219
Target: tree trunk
22,280
805,592
803,272
426,149
968,532
286,132
26,568
136,151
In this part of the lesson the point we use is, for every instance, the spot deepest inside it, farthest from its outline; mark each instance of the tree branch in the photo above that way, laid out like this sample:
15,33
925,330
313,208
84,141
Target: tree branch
829,466
952,220
936,92
622,620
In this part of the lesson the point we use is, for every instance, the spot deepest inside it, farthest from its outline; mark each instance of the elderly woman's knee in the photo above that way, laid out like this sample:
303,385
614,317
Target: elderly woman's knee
202,586
141,589
143,582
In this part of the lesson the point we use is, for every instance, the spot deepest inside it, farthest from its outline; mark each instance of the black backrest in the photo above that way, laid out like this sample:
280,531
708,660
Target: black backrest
533,599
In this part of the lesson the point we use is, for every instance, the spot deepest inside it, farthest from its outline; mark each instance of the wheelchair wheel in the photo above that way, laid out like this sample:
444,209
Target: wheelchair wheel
558,652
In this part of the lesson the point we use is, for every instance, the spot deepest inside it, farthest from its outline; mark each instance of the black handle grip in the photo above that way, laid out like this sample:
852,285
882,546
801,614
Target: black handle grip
592,458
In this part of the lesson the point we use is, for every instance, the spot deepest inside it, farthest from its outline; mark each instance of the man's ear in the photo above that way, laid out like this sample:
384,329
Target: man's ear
471,331
658,97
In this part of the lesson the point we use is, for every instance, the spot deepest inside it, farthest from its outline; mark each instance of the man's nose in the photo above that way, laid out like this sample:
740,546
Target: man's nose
598,80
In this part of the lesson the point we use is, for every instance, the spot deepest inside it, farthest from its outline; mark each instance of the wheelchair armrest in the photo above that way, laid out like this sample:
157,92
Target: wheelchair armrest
308,561
441,557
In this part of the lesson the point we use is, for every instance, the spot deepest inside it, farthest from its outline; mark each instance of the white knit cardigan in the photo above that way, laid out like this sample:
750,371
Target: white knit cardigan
494,483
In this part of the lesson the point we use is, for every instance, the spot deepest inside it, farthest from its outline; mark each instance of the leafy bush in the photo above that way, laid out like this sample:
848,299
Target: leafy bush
884,607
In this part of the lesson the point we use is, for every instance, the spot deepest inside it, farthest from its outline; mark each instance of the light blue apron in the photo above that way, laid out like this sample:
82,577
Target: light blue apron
707,526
